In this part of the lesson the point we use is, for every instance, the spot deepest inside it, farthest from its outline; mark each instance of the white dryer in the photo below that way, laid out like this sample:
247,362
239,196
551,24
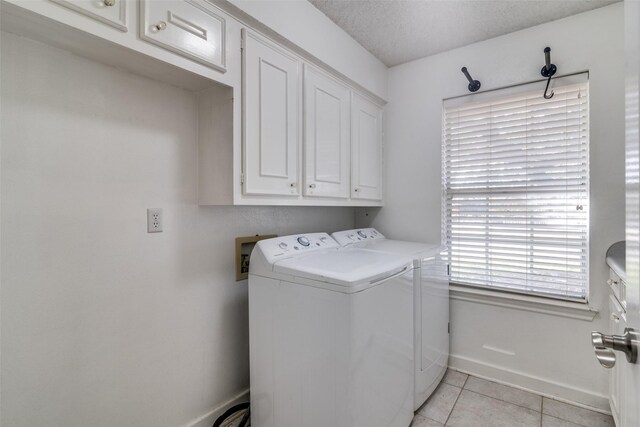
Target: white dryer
331,335
431,302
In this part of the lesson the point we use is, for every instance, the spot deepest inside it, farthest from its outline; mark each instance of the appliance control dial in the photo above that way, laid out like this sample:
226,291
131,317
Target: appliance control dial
362,234
303,241
283,245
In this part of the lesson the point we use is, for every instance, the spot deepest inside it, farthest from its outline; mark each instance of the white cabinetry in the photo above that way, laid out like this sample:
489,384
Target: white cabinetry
267,134
326,136
110,12
340,154
271,130
366,149
187,27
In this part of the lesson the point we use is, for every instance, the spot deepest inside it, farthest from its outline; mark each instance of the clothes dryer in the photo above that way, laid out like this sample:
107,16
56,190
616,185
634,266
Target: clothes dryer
431,302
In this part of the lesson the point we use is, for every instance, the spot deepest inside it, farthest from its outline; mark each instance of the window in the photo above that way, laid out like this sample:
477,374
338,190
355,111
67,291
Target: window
516,190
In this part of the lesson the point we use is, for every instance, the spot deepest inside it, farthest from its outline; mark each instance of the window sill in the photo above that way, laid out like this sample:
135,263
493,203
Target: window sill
573,310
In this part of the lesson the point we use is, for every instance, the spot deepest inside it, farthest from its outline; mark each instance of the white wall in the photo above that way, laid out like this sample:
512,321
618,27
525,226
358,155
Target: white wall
547,349
300,22
102,323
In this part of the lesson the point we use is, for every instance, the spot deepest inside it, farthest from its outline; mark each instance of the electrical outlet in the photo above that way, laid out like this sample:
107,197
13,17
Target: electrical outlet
154,220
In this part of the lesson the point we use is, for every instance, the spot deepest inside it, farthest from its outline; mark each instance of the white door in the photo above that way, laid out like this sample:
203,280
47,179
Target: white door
366,149
627,345
630,400
617,324
326,136
271,96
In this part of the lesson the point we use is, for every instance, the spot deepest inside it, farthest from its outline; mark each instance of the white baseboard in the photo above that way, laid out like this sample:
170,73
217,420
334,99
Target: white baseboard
523,381
207,419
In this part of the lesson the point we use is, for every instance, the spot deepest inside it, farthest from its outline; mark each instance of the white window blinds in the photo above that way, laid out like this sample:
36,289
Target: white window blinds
516,191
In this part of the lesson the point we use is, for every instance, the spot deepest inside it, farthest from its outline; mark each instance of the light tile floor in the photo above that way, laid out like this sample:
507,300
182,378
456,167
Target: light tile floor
466,401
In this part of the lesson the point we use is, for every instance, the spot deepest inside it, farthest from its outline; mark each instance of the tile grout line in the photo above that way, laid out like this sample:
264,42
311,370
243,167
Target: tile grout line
452,408
501,400
544,396
566,421
540,411
457,397
506,401
454,403
465,382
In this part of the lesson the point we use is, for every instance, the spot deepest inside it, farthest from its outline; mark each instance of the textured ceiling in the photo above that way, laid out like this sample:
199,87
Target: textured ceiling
398,31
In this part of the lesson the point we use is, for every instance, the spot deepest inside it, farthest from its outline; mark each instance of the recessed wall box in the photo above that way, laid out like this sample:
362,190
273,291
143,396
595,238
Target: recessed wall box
244,246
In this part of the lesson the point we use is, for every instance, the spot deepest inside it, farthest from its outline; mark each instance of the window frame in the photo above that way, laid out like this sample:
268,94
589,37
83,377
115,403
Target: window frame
490,96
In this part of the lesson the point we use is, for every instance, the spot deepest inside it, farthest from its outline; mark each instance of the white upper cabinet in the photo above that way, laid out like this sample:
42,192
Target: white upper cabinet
110,12
190,28
271,130
326,136
366,149
276,126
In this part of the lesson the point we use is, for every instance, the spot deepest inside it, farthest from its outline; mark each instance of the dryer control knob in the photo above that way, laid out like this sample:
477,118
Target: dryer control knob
303,241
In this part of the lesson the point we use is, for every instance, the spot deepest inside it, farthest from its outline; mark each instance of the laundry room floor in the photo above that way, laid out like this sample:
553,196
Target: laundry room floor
466,401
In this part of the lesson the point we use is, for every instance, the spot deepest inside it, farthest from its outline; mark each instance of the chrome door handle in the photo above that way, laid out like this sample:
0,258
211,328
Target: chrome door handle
606,357
627,343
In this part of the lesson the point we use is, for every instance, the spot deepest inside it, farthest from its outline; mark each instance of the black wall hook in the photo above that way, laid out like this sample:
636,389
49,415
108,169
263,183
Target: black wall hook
548,71
474,85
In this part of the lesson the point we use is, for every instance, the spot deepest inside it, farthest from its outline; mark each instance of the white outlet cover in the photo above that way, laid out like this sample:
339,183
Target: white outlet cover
154,220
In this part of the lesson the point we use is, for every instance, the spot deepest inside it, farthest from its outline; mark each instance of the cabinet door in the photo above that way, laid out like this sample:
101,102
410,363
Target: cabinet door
326,136
366,149
189,28
110,12
271,99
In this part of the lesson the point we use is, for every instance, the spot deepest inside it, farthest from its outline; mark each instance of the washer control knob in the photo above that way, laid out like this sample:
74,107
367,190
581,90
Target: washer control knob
283,245
362,234
303,241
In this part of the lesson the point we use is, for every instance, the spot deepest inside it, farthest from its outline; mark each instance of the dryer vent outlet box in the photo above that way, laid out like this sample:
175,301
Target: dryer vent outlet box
244,246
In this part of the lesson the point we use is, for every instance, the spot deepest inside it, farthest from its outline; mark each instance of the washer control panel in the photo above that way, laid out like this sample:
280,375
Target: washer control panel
348,237
297,244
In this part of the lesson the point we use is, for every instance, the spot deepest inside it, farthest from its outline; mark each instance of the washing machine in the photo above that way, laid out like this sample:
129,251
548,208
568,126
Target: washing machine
331,335
431,302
